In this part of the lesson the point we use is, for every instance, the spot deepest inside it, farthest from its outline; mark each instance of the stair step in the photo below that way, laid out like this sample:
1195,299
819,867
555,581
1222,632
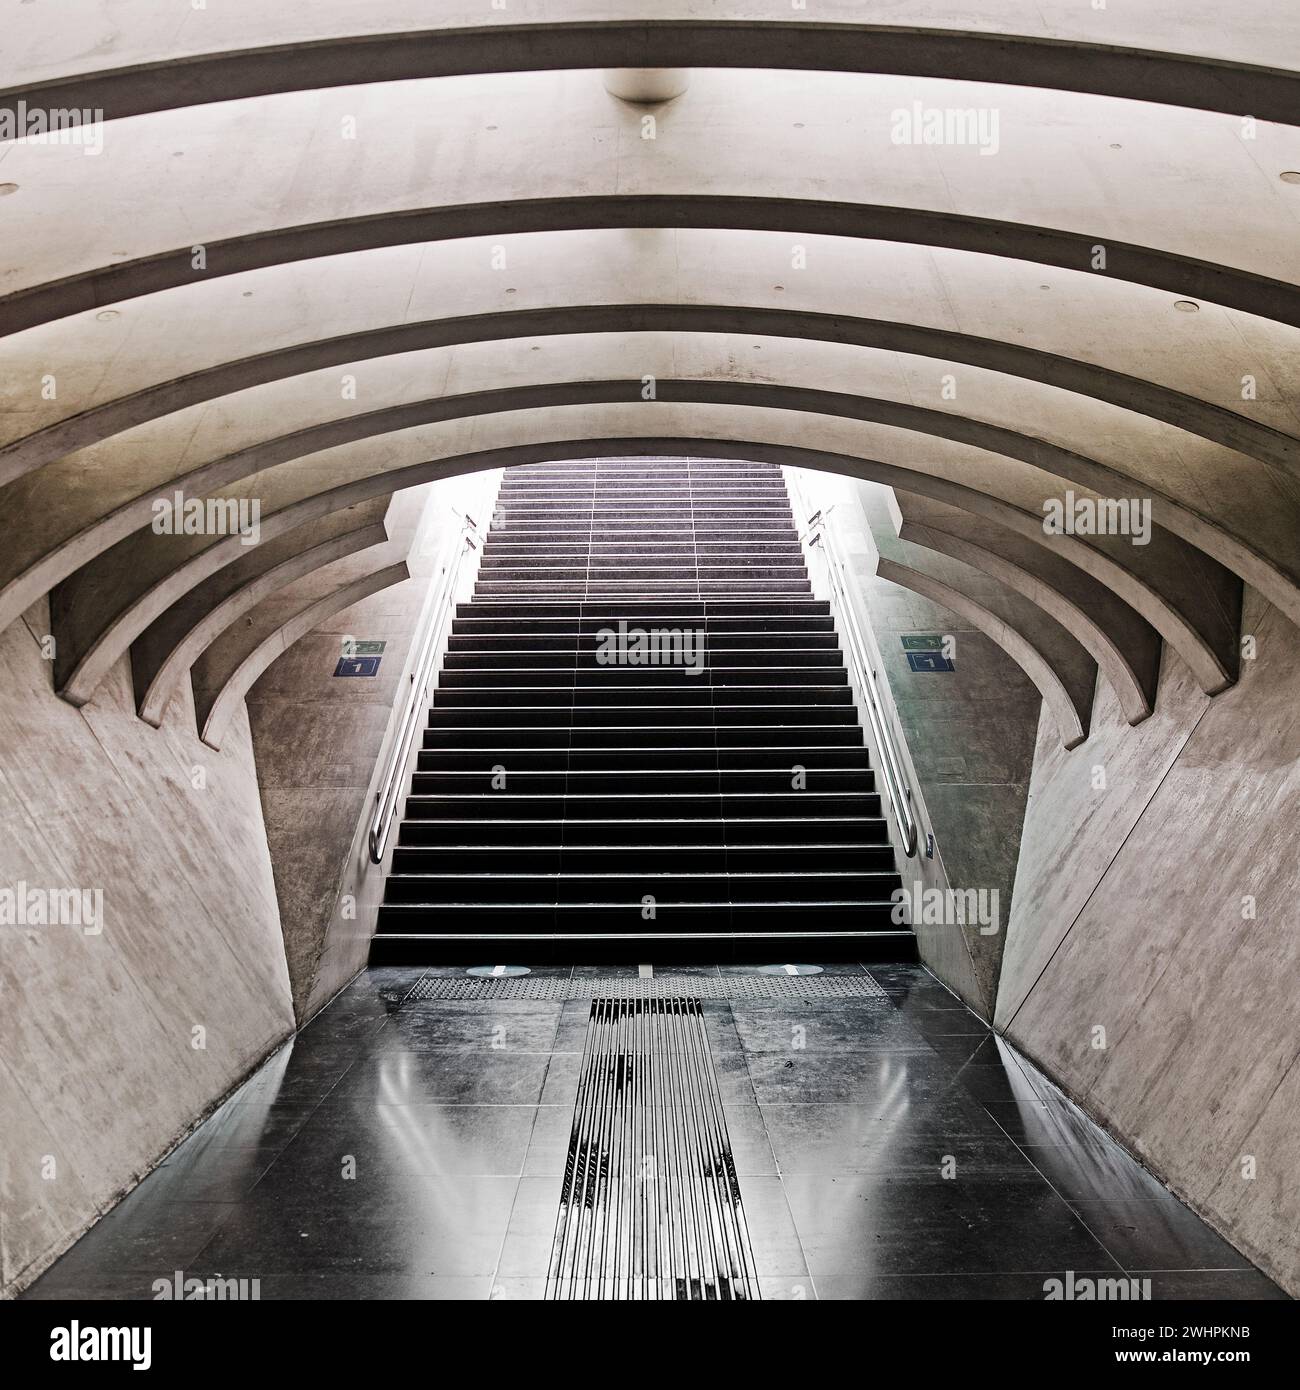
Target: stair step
631,889
643,780
464,734
616,831
482,760
801,917
619,805
639,858
661,714
722,664
594,676
681,692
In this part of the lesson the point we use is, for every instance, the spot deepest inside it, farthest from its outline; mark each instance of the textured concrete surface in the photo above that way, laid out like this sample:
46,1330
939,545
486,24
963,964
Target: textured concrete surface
1126,648
1160,908
971,737
674,31
321,744
1190,599
1045,651
100,1065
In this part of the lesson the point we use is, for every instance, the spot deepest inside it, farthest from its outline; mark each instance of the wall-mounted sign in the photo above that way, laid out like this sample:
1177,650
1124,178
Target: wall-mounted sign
357,666
922,642
929,661
367,648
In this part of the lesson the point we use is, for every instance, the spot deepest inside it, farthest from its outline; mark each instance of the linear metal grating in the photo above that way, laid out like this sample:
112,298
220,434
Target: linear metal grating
659,987
651,1205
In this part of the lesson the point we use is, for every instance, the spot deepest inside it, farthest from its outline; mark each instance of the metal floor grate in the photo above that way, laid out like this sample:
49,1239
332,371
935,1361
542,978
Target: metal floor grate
563,987
651,1205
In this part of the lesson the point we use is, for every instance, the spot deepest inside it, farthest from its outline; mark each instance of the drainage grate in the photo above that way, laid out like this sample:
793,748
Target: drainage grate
562,987
651,1206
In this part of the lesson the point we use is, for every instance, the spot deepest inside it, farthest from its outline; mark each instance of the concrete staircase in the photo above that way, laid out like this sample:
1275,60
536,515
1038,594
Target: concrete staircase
643,737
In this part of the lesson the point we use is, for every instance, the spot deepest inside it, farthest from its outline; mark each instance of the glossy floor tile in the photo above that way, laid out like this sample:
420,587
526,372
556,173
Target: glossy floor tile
885,1149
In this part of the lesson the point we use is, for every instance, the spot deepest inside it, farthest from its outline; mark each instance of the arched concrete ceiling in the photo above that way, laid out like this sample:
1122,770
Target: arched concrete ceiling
1124,646
109,602
336,258
140,57
74,430
1118,342
559,152
229,668
163,654
1070,701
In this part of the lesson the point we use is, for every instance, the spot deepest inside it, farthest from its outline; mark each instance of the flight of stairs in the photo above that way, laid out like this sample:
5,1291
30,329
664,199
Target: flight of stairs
558,796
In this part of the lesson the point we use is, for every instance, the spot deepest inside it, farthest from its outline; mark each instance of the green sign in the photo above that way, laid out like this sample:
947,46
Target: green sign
368,648
922,642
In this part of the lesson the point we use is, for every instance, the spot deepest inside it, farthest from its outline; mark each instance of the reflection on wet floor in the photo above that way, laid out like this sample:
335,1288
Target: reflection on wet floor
885,1149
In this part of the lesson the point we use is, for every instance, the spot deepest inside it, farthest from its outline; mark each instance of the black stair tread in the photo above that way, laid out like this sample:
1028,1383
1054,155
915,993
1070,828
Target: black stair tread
658,873
627,772
642,820
621,849
662,905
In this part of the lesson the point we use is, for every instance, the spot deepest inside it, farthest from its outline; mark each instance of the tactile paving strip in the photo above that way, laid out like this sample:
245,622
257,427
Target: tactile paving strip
651,1206
656,987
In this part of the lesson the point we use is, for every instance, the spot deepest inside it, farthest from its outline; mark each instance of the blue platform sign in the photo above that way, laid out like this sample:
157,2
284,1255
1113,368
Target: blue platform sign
357,666
929,661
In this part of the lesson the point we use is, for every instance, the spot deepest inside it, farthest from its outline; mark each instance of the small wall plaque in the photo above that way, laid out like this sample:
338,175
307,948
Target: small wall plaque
357,666
929,661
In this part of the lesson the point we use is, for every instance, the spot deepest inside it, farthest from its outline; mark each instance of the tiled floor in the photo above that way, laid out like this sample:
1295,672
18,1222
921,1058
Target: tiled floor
417,1152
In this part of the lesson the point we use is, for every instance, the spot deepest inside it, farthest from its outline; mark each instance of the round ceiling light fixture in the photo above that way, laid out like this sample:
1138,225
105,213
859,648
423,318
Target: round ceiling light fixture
1290,176
7,188
1187,306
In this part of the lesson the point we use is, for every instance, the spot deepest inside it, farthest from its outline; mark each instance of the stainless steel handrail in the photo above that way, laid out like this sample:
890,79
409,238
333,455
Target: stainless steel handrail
897,787
387,797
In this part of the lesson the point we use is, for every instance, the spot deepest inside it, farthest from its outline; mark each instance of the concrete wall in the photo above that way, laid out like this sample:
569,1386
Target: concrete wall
317,740
970,734
1132,915
322,745
100,1071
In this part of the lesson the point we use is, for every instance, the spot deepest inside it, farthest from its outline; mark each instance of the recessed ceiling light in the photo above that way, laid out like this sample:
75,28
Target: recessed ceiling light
1117,147
778,287
798,125
7,188
1186,306
511,290
105,315
1290,176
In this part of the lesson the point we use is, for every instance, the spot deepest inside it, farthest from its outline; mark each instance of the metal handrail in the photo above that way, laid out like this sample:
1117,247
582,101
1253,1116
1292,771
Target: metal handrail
896,784
387,797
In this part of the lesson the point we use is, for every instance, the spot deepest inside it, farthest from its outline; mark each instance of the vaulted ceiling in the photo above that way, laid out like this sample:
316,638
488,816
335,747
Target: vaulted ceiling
317,253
